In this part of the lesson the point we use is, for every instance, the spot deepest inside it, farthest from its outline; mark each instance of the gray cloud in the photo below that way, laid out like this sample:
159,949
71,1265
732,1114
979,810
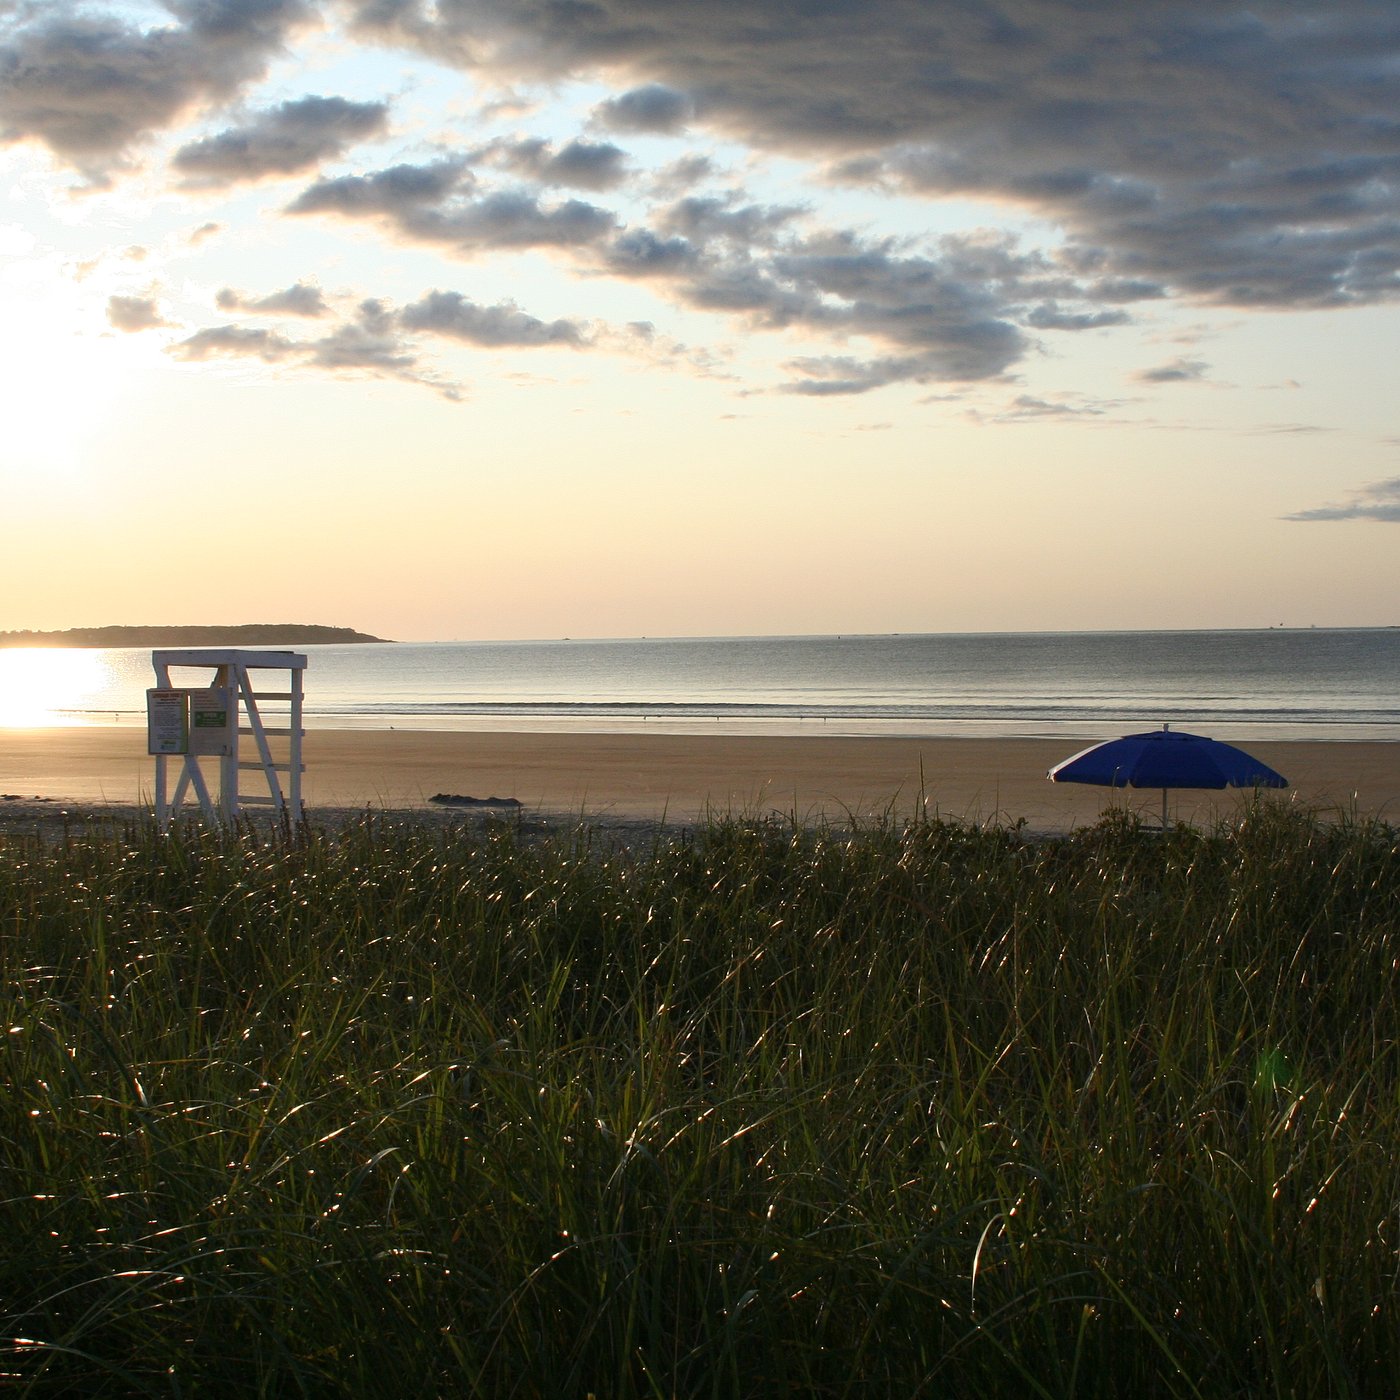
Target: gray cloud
653,108
948,315
453,315
406,194
1179,371
432,204
1238,156
369,342
583,165
1123,289
289,138
723,218
300,299
1050,316
378,339
640,253
829,376
1028,408
943,317
1380,500
134,314
89,87
682,175
515,219
217,341
1241,156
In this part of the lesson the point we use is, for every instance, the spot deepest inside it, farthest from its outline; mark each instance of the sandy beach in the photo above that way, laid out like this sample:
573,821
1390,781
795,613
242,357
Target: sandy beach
680,778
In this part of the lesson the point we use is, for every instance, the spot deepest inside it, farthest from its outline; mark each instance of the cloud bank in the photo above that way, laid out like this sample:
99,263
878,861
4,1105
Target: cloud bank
1170,151
1242,155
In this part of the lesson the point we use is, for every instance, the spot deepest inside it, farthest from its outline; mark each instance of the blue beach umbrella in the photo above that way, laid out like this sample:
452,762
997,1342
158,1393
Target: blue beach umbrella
1166,758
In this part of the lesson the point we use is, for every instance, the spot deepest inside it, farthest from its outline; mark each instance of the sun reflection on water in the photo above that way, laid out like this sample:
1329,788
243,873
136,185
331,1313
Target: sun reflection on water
40,687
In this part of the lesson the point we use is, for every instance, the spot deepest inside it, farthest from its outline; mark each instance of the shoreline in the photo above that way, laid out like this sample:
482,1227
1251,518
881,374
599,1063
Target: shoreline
681,779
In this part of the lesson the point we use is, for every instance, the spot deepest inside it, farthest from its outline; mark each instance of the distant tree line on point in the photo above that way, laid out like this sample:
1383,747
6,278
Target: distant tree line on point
251,634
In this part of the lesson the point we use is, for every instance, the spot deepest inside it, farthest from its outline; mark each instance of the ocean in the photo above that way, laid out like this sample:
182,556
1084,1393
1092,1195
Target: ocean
1272,684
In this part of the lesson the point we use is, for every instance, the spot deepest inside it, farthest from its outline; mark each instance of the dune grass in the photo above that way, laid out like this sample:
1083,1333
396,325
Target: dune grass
760,1110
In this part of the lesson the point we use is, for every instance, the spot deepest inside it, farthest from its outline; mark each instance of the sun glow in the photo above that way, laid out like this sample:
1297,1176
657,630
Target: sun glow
40,688
63,373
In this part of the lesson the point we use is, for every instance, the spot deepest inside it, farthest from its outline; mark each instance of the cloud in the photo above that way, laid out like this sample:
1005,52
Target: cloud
369,342
943,317
218,341
1050,316
134,314
1178,371
1176,148
378,340
640,253
654,108
433,204
829,376
90,86
300,299
1380,500
682,175
583,165
453,315
708,219
515,219
950,314
281,141
406,194
1121,289
1239,156
1027,408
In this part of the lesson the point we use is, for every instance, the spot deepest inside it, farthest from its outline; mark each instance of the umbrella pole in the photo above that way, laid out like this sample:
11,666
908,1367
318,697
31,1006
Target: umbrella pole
1164,809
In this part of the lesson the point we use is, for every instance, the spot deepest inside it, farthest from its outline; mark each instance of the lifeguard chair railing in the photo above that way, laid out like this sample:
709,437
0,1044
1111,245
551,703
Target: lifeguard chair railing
212,721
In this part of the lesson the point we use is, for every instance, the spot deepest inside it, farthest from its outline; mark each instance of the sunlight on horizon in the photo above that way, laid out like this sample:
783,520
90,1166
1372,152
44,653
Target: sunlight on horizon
42,688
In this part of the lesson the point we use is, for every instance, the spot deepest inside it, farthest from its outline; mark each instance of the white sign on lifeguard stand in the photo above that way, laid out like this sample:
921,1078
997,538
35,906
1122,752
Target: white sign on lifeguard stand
195,722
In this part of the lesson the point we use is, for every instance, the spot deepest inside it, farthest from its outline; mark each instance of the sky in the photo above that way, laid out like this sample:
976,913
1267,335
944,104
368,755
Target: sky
533,318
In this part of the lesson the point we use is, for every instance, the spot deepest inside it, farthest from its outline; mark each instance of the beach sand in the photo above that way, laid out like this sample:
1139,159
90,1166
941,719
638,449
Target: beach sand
681,778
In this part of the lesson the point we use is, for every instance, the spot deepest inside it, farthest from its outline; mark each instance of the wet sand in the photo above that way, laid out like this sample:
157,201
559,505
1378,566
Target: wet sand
682,778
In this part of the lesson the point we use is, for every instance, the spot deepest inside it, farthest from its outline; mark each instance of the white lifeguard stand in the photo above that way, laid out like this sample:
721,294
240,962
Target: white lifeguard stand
195,722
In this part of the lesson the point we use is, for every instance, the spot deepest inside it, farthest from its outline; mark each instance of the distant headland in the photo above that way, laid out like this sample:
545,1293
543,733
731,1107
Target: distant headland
250,634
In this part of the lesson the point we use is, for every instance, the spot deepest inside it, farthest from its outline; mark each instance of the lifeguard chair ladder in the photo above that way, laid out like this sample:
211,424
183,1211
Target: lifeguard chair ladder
232,676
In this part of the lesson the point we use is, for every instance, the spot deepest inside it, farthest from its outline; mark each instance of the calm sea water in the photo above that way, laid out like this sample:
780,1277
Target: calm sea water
1276,684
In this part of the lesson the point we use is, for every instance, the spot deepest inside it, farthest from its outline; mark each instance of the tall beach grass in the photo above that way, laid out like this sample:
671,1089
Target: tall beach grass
920,1111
